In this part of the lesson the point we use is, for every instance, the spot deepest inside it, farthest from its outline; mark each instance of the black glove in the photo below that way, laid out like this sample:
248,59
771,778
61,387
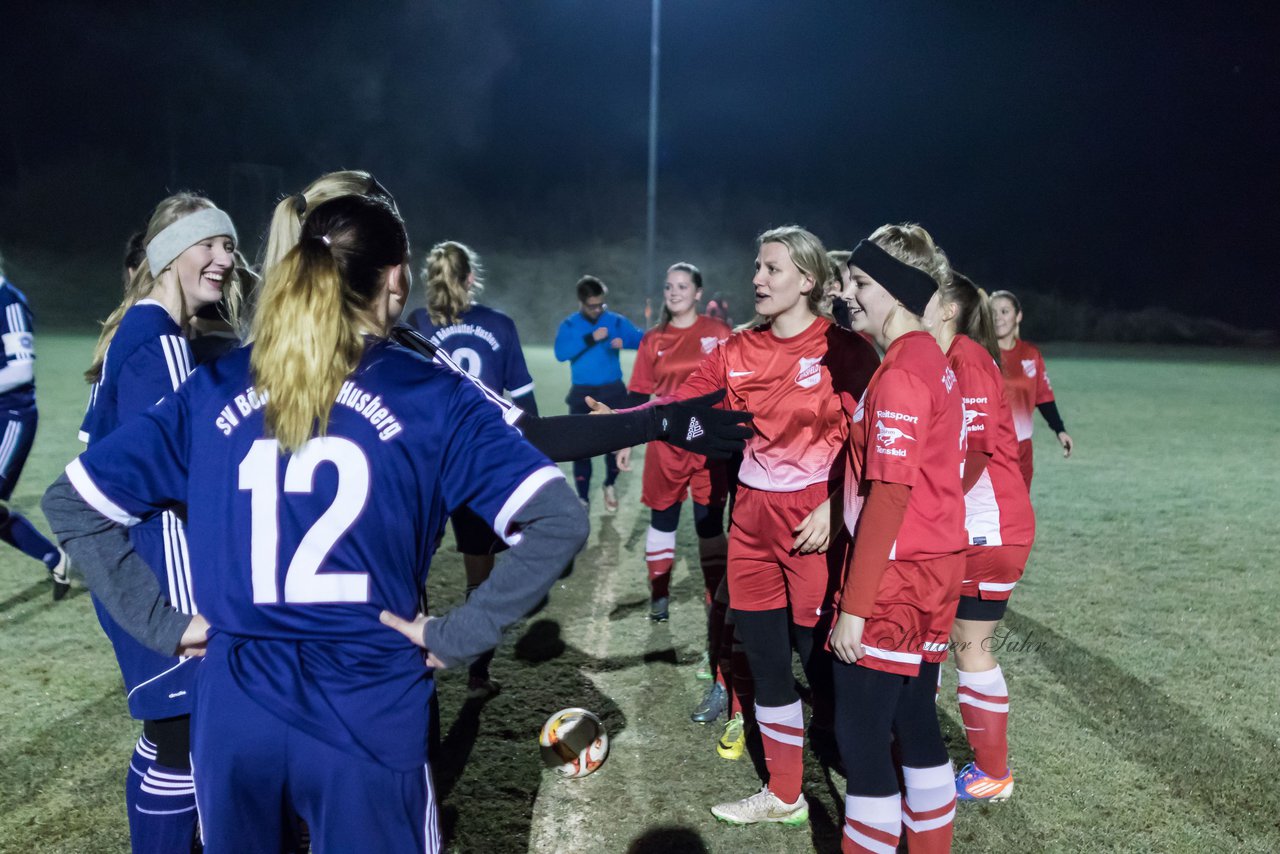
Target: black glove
698,426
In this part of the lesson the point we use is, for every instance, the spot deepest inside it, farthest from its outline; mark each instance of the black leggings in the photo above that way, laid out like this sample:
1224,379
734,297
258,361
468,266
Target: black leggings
172,738
767,638
871,704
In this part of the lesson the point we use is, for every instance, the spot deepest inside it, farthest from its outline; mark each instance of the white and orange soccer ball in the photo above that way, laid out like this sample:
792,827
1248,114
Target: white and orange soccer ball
574,742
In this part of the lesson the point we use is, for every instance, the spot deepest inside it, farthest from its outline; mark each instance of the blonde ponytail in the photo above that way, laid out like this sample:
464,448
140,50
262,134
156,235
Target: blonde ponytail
449,265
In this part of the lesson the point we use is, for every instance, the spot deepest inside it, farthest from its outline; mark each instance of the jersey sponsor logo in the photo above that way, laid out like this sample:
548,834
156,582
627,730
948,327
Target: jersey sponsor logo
695,430
969,416
740,373
974,400
810,373
890,415
709,344
1029,367
949,379
889,436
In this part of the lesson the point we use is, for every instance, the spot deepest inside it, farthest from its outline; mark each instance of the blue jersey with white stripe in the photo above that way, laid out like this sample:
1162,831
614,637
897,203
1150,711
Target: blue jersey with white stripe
147,359
17,331
294,556
484,343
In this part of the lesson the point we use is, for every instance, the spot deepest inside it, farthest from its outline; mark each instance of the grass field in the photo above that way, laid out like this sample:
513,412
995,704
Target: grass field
1143,658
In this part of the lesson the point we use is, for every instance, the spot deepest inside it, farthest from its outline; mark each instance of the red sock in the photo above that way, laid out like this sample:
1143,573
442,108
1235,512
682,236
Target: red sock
929,809
984,708
782,732
871,825
659,556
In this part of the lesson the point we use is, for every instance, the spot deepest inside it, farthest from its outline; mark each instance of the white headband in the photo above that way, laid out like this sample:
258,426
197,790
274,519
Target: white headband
174,239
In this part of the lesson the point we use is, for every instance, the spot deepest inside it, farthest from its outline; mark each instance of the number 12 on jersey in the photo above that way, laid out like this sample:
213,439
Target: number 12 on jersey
303,581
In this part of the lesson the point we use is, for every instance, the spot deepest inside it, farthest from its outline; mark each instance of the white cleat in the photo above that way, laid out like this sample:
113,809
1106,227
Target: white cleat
763,806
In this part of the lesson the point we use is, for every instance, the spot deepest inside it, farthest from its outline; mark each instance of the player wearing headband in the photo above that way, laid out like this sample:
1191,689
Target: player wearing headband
904,503
18,420
317,466
1026,382
1000,525
141,357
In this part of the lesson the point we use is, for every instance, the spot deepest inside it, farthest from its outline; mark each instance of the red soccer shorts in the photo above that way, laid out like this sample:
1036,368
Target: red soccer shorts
671,473
991,572
764,573
1026,460
915,607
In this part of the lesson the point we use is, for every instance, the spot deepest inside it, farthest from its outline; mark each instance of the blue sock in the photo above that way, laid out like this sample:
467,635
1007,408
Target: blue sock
161,803
22,535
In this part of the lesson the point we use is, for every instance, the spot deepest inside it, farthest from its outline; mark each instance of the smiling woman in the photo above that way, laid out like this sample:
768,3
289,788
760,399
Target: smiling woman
142,355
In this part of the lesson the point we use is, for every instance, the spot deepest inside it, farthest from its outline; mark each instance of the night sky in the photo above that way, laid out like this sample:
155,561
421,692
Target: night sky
1124,153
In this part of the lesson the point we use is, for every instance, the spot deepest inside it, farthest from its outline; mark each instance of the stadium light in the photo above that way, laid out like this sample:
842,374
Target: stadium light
651,224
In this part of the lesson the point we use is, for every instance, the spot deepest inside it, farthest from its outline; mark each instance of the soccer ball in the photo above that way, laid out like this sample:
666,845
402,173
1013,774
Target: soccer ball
574,742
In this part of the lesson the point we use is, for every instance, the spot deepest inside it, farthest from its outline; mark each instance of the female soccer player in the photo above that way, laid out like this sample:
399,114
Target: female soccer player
1026,383
483,342
142,356
1000,525
316,466
792,372
899,594
19,416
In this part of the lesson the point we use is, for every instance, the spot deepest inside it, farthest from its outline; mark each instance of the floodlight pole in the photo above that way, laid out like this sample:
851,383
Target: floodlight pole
652,212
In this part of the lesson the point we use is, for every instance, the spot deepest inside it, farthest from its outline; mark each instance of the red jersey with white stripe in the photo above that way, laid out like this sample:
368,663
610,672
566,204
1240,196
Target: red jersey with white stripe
793,386
668,355
1026,384
909,428
998,507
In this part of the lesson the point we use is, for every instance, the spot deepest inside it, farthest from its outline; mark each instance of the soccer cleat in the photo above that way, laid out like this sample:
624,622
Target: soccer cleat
610,499
704,666
481,688
61,581
712,705
973,784
658,610
763,806
733,742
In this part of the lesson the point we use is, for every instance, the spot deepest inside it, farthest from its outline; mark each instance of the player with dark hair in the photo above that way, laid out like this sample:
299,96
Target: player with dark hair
142,355
484,342
795,372
317,466
903,501
589,340
1000,525
18,430
1026,382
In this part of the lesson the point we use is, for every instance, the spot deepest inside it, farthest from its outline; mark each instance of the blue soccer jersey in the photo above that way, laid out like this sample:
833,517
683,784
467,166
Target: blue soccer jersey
148,358
17,377
484,343
295,556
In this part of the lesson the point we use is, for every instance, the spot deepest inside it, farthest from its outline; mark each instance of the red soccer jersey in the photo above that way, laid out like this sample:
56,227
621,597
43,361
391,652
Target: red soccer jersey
793,386
998,507
668,355
1026,384
909,428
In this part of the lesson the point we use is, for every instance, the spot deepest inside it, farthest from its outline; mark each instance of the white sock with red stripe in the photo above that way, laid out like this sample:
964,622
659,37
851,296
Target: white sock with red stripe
871,825
782,732
984,708
659,556
929,808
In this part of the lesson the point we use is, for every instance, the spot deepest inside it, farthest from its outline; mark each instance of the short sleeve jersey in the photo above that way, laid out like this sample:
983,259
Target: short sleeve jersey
1026,384
998,506
793,387
147,359
668,355
294,556
484,343
17,331
909,429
